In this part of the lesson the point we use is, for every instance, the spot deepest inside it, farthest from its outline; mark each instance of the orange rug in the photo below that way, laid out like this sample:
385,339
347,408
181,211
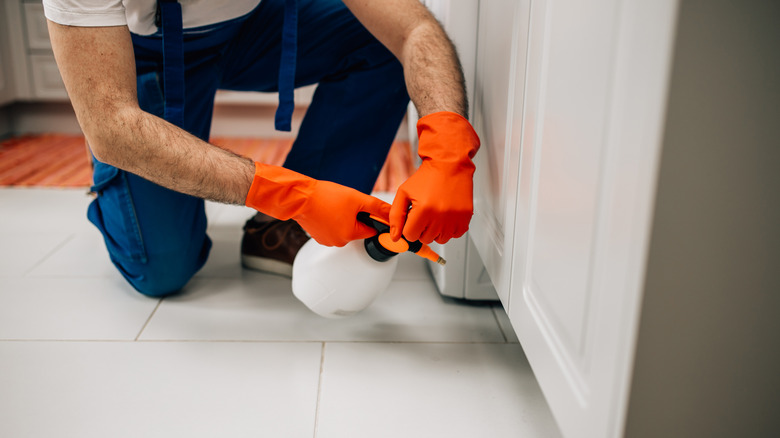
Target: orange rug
60,160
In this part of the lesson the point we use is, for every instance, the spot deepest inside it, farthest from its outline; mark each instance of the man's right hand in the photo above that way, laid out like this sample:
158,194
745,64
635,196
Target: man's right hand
326,210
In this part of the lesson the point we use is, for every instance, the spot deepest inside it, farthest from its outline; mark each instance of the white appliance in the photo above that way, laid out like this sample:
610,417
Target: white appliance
464,276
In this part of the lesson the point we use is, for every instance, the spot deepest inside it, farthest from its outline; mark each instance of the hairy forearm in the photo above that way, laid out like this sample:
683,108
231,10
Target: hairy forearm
434,77
98,69
154,149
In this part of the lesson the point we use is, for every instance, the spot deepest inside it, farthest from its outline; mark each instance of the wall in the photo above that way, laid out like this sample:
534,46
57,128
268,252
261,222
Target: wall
230,120
5,122
40,117
708,350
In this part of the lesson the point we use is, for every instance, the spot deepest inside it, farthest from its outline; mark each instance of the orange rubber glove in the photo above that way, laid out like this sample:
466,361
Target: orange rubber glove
436,202
326,210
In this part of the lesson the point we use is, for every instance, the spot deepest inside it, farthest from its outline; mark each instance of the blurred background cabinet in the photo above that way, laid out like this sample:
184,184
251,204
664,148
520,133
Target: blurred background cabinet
7,91
33,70
46,80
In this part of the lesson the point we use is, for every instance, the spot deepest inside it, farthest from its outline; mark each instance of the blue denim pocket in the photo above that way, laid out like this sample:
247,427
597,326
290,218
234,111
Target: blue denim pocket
113,213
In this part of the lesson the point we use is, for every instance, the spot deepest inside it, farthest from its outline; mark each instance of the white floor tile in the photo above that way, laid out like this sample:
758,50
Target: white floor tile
44,210
84,255
22,251
72,308
132,389
430,390
227,217
412,267
225,257
213,210
225,230
262,307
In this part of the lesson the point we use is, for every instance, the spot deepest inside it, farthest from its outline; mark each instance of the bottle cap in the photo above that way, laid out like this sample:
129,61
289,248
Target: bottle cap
387,242
382,247
375,247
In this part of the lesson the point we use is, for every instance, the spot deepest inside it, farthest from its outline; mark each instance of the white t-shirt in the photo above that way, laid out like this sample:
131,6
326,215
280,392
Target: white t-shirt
139,15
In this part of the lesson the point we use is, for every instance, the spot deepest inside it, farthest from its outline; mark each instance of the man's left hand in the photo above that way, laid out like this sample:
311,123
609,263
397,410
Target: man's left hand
436,202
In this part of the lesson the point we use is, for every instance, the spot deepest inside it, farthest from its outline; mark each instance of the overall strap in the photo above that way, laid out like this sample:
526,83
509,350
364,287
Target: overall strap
283,120
173,60
173,63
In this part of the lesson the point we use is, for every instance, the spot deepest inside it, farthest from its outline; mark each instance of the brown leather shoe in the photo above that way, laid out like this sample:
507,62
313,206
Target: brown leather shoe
271,245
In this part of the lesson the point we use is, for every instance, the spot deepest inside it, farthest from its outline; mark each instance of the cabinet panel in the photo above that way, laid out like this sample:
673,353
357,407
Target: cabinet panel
6,87
6,84
12,53
563,218
500,70
577,42
47,82
592,126
36,29
496,26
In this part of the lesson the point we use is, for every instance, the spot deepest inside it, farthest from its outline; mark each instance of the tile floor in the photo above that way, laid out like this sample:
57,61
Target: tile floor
83,355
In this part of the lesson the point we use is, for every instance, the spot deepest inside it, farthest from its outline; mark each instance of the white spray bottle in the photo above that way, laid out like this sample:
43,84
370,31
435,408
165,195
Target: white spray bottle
336,282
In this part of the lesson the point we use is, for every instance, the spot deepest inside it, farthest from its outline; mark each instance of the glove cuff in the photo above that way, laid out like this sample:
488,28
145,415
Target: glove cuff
446,136
278,192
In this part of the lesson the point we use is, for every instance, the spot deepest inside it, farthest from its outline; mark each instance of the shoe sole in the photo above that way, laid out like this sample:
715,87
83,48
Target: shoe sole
266,265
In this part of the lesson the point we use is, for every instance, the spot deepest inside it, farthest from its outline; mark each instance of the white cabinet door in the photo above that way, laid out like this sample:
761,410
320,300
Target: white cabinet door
499,80
591,132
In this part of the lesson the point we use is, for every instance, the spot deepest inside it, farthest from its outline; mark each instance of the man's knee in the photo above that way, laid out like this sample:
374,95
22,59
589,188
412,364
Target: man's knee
157,282
156,251
164,275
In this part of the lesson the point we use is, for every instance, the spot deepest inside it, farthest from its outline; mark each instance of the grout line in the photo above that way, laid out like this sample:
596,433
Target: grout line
319,391
414,280
500,328
50,253
311,341
250,341
73,276
416,342
68,340
149,319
